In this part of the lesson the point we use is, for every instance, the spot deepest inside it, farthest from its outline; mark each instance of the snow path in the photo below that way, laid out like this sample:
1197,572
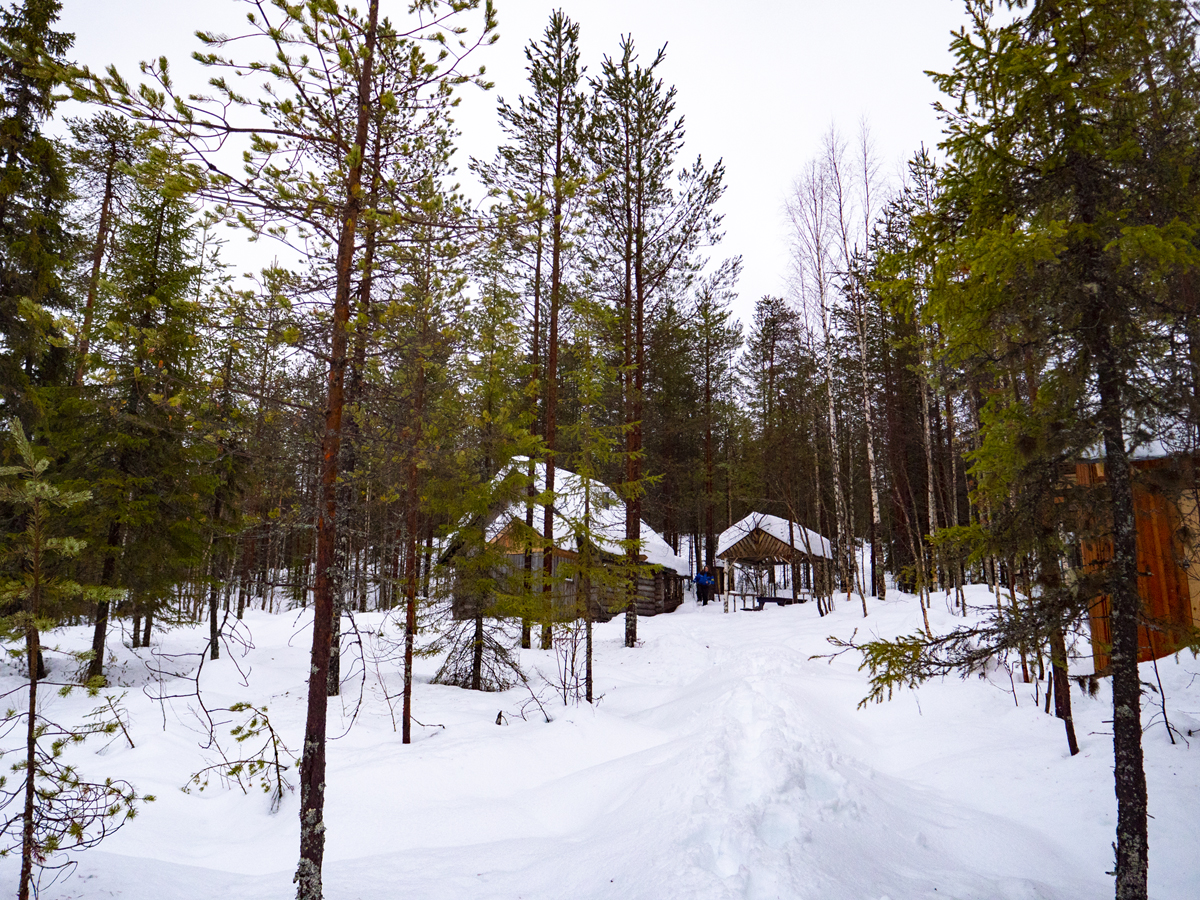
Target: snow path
721,762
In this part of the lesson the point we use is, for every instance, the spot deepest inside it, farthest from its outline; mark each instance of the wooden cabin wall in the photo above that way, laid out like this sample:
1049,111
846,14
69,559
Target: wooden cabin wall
661,592
1188,540
1168,580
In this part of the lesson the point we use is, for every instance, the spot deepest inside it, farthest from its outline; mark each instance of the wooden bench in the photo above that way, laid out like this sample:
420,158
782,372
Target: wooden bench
760,602
755,603
763,601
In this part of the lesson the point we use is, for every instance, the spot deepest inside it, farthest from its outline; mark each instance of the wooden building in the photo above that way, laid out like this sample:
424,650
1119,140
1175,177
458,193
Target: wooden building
1165,495
659,589
762,542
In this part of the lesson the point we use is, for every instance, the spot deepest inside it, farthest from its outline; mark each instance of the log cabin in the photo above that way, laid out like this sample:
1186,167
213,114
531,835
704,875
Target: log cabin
659,585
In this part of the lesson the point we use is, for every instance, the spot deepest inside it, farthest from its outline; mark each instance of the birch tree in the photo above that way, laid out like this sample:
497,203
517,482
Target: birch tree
814,218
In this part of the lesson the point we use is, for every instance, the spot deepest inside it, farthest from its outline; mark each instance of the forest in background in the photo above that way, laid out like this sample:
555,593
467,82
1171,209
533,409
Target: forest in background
949,348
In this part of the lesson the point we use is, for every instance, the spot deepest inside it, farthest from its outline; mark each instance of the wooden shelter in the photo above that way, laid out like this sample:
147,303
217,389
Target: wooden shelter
1167,513
763,541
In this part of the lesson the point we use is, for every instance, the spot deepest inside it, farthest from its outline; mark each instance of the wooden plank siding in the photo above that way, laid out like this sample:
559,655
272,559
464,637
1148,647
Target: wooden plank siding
658,589
1168,572
759,546
661,592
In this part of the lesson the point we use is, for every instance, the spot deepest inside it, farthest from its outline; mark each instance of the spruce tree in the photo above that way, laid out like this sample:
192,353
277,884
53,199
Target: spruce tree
129,433
487,480
1059,234
1071,138
35,245
716,339
599,576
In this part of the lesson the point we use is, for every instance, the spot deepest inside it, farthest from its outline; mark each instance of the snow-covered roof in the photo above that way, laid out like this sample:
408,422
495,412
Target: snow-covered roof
1146,450
607,517
815,545
1150,439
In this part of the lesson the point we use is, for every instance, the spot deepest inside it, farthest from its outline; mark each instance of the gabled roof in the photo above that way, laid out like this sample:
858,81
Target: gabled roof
607,517
762,536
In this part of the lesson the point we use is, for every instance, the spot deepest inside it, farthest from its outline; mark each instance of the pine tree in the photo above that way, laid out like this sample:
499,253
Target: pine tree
58,811
102,152
331,69
543,168
421,320
650,223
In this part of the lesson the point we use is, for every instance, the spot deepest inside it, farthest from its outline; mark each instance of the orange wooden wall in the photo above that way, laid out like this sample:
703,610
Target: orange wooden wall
1169,595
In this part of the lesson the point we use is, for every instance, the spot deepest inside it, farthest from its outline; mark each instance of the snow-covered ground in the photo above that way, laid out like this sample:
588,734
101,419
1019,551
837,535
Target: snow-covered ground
720,762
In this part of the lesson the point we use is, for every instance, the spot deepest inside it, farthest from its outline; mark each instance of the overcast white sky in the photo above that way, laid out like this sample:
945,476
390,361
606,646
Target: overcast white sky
759,81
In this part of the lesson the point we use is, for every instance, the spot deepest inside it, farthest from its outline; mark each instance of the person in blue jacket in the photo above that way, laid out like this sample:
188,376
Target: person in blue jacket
704,585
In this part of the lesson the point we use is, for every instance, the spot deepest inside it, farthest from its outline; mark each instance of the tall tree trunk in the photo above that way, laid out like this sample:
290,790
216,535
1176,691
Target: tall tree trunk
558,187
357,363
410,595
633,461
1130,775
551,435
1062,686
587,670
214,643
878,587
878,583
930,483
333,678
32,652
843,540
535,360
411,562
709,510
85,330
585,589
312,761
630,263
823,601
249,549
108,579
952,503
477,654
